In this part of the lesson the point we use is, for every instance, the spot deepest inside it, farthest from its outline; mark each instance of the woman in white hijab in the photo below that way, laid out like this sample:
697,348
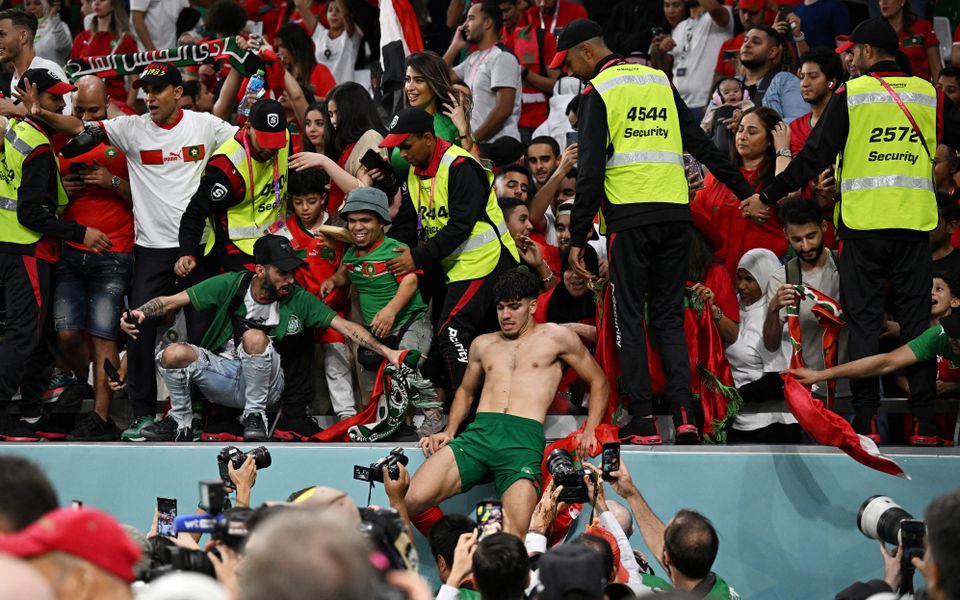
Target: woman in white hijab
763,418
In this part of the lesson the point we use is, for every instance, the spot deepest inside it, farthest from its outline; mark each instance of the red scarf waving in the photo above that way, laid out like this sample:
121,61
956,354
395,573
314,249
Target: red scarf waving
830,317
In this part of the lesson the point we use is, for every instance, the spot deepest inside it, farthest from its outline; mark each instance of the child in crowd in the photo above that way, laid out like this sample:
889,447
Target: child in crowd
392,309
944,299
729,92
313,241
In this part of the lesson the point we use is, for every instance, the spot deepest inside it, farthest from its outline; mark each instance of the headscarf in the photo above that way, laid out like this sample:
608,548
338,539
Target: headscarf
761,263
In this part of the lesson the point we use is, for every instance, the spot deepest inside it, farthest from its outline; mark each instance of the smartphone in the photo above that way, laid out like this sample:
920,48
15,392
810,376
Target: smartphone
77,168
610,460
166,513
372,160
571,138
489,517
111,371
126,309
912,532
782,12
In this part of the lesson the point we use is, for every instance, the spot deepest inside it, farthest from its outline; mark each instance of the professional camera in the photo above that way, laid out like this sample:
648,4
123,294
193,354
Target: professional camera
560,465
882,519
375,471
388,535
232,454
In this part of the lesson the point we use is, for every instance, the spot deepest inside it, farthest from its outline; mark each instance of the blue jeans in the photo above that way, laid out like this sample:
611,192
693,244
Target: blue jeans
250,382
88,291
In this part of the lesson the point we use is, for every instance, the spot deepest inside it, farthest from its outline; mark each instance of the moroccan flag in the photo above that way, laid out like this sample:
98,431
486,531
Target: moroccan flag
193,153
830,429
399,38
829,315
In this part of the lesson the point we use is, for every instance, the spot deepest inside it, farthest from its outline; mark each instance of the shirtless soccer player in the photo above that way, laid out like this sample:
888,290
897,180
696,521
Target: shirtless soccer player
519,369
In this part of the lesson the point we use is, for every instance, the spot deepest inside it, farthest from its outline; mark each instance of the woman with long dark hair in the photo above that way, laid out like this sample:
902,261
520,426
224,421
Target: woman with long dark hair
917,39
109,33
313,127
351,127
761,138
297,53
427,85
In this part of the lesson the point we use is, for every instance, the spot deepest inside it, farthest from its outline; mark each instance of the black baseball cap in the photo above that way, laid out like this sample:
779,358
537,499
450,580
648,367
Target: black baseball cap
46,81
277,251
159,74
576,32
570,568
407,121
876,32
269,120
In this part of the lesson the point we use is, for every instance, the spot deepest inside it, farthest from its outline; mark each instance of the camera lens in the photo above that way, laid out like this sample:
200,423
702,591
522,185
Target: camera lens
261,456
559,462
879,518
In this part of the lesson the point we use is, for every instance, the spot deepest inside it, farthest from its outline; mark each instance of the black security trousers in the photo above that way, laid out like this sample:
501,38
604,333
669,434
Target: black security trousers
648,266
864,266
26,347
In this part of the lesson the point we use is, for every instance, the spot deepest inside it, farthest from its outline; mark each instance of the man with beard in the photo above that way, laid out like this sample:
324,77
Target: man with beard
237,364
519,367
814,266
762,56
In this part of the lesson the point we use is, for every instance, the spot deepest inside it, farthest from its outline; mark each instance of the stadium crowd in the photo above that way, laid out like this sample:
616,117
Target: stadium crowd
441,222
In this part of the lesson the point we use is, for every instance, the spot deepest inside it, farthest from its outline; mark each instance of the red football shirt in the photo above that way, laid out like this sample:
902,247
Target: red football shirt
99,207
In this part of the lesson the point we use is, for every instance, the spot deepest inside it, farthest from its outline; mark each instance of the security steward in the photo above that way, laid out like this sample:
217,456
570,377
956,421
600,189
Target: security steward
462,233
241,191
633,129
31,200
885,126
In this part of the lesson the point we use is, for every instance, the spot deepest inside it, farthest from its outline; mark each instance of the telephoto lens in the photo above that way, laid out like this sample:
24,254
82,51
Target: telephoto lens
879,518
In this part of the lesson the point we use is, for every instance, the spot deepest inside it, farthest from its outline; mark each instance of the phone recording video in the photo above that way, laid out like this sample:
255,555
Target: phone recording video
489,517
166,513
610,460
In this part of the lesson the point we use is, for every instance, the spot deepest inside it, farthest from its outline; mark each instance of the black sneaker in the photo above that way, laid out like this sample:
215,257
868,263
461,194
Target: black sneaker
73,395
48,430
641,431
222,425
254,428
295,429
167,430
685,429
405,433
91,428
12,429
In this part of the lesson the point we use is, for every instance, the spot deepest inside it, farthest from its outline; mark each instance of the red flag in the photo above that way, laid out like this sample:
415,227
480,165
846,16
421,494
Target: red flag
830,429
338,431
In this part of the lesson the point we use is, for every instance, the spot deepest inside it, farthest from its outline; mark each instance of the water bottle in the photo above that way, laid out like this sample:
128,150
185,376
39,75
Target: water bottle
253,93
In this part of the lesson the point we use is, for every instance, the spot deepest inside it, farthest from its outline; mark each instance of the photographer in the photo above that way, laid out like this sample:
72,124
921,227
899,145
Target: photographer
685,547
444,539
940,565
499,564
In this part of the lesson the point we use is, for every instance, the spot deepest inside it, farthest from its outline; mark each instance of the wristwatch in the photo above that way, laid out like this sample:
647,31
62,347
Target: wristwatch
785,152
115,182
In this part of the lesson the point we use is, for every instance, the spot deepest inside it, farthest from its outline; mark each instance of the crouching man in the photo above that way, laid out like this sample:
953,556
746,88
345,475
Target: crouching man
236,363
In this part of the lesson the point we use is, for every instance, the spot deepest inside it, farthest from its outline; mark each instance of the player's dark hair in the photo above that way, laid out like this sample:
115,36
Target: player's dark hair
692,543
491,10
501,567
943,540
20,18
800,211
226,18
308,181
828,61
516,284
549,141
508,205
445,534
602,548
27,493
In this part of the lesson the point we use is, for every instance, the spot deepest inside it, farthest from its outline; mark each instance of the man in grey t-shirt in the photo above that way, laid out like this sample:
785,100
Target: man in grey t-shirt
491,73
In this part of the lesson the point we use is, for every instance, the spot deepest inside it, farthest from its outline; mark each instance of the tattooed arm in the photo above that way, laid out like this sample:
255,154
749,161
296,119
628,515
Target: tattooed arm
361,336
151,309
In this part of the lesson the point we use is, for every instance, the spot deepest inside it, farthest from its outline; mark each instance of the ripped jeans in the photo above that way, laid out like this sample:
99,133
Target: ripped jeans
250,382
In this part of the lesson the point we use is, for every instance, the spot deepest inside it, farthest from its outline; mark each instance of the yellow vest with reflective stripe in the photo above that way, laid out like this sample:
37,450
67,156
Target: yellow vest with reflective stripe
886,176
20,139
249,220
477,256
643,130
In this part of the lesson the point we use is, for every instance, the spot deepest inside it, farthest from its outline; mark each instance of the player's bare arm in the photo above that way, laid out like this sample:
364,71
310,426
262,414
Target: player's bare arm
575,354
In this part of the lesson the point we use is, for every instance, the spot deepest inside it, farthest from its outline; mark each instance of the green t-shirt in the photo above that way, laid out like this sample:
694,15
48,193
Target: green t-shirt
719,591
443,128
932,343
375,285
300,310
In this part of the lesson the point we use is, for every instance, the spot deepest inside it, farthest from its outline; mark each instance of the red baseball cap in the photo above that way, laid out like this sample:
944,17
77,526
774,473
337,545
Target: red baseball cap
46,81
85,533
753,6
843,44
269,120
407,121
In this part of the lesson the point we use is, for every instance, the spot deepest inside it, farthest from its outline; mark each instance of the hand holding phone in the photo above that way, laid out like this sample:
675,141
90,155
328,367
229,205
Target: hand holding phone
610,460
111,371
489,518
571,138
166,514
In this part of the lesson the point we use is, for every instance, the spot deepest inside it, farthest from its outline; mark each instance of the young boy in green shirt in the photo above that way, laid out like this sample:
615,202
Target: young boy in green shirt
392,309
